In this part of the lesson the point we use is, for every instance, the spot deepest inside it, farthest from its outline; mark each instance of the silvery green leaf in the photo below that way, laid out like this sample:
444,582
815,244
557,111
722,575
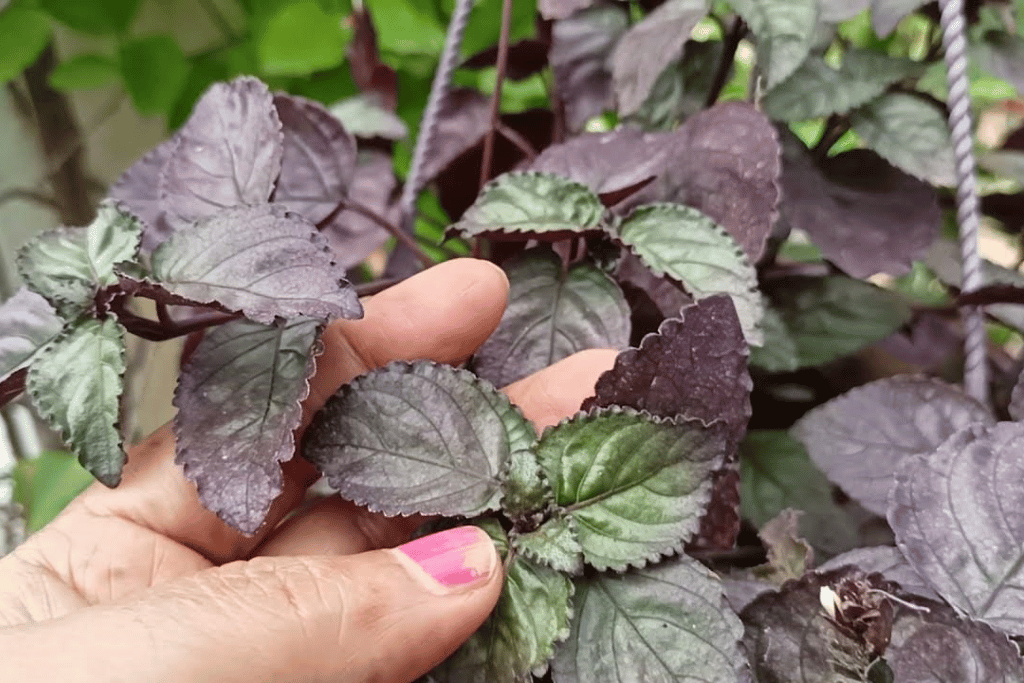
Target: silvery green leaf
958,516
418,437
784,33
364,118
554,543
860,438
525,491
28,324
686,245
667,623
75,384
552,313
604,467
69,265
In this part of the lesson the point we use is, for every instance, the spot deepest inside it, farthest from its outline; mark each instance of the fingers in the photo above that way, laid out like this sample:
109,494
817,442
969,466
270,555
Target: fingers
386,615
550,395
443,314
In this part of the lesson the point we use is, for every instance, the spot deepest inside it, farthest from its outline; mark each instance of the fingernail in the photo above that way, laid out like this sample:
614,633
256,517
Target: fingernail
456,558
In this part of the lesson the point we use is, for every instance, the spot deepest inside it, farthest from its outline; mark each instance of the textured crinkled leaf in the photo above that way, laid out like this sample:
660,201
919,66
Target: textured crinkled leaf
665,623
725,162
418,437
789,637
519,637
227,154
27,324
958,515
138,190
887,561
784,33
238,405
353,236
525,492
860,438
776,474
69,265
318,159
866,216
363,117
885,14
463,120
261,260
635,485
551,315
789,555
648,47
830,317
555,543
531,202
581,46
910,133
816,89
75,384
686,245
939,646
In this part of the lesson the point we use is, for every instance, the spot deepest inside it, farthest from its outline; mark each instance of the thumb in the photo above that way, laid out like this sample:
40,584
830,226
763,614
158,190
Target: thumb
385,615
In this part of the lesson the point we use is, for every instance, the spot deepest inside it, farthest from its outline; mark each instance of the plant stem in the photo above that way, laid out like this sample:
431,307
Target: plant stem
513,136
835,128
402,236
732,41
502,65
17,193
152,330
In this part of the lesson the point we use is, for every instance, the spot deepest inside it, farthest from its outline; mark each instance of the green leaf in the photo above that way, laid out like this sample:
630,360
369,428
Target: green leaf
525,492
777,474
45,485
24,32
84,72
238,401
93,16
520,635
827,318
779,353
404,27
301,39
816,89
636,486
69,265
686,245
75,384
28,324
789,555
552,313
418,437
909,133
531,202
667,623
484,25
154,71
555,543
784,32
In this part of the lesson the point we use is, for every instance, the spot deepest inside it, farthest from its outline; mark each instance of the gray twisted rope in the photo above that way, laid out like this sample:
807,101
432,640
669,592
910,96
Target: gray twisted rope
954,41
428,125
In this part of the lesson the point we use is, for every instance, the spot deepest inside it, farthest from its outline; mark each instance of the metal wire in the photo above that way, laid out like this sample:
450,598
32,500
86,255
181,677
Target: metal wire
954,41
428,125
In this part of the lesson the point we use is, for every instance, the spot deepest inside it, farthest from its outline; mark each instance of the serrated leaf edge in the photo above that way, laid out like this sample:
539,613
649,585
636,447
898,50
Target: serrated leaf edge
531,554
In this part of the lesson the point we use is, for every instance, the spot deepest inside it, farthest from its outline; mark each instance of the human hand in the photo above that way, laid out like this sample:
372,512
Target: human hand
141,583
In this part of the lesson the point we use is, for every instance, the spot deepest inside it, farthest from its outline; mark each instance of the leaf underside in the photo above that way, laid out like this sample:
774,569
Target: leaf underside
76,385
635,486
551,315
668,622
238,404
860,438
418,437
28,324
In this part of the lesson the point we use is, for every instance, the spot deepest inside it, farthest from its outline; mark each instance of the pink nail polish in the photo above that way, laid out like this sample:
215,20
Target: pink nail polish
454,558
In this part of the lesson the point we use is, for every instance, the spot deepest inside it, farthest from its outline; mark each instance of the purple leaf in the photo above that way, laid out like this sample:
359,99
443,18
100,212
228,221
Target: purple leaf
648,47
561,9
580,48
860,438
318,160
352,236
666,295
238,405
694,367
525,58
464,119
866,216
27,324
263,261
551,315
138,190
227,154
887,561
12,386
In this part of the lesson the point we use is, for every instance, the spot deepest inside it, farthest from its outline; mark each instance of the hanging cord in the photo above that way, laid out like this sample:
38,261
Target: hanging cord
954,28
428,125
